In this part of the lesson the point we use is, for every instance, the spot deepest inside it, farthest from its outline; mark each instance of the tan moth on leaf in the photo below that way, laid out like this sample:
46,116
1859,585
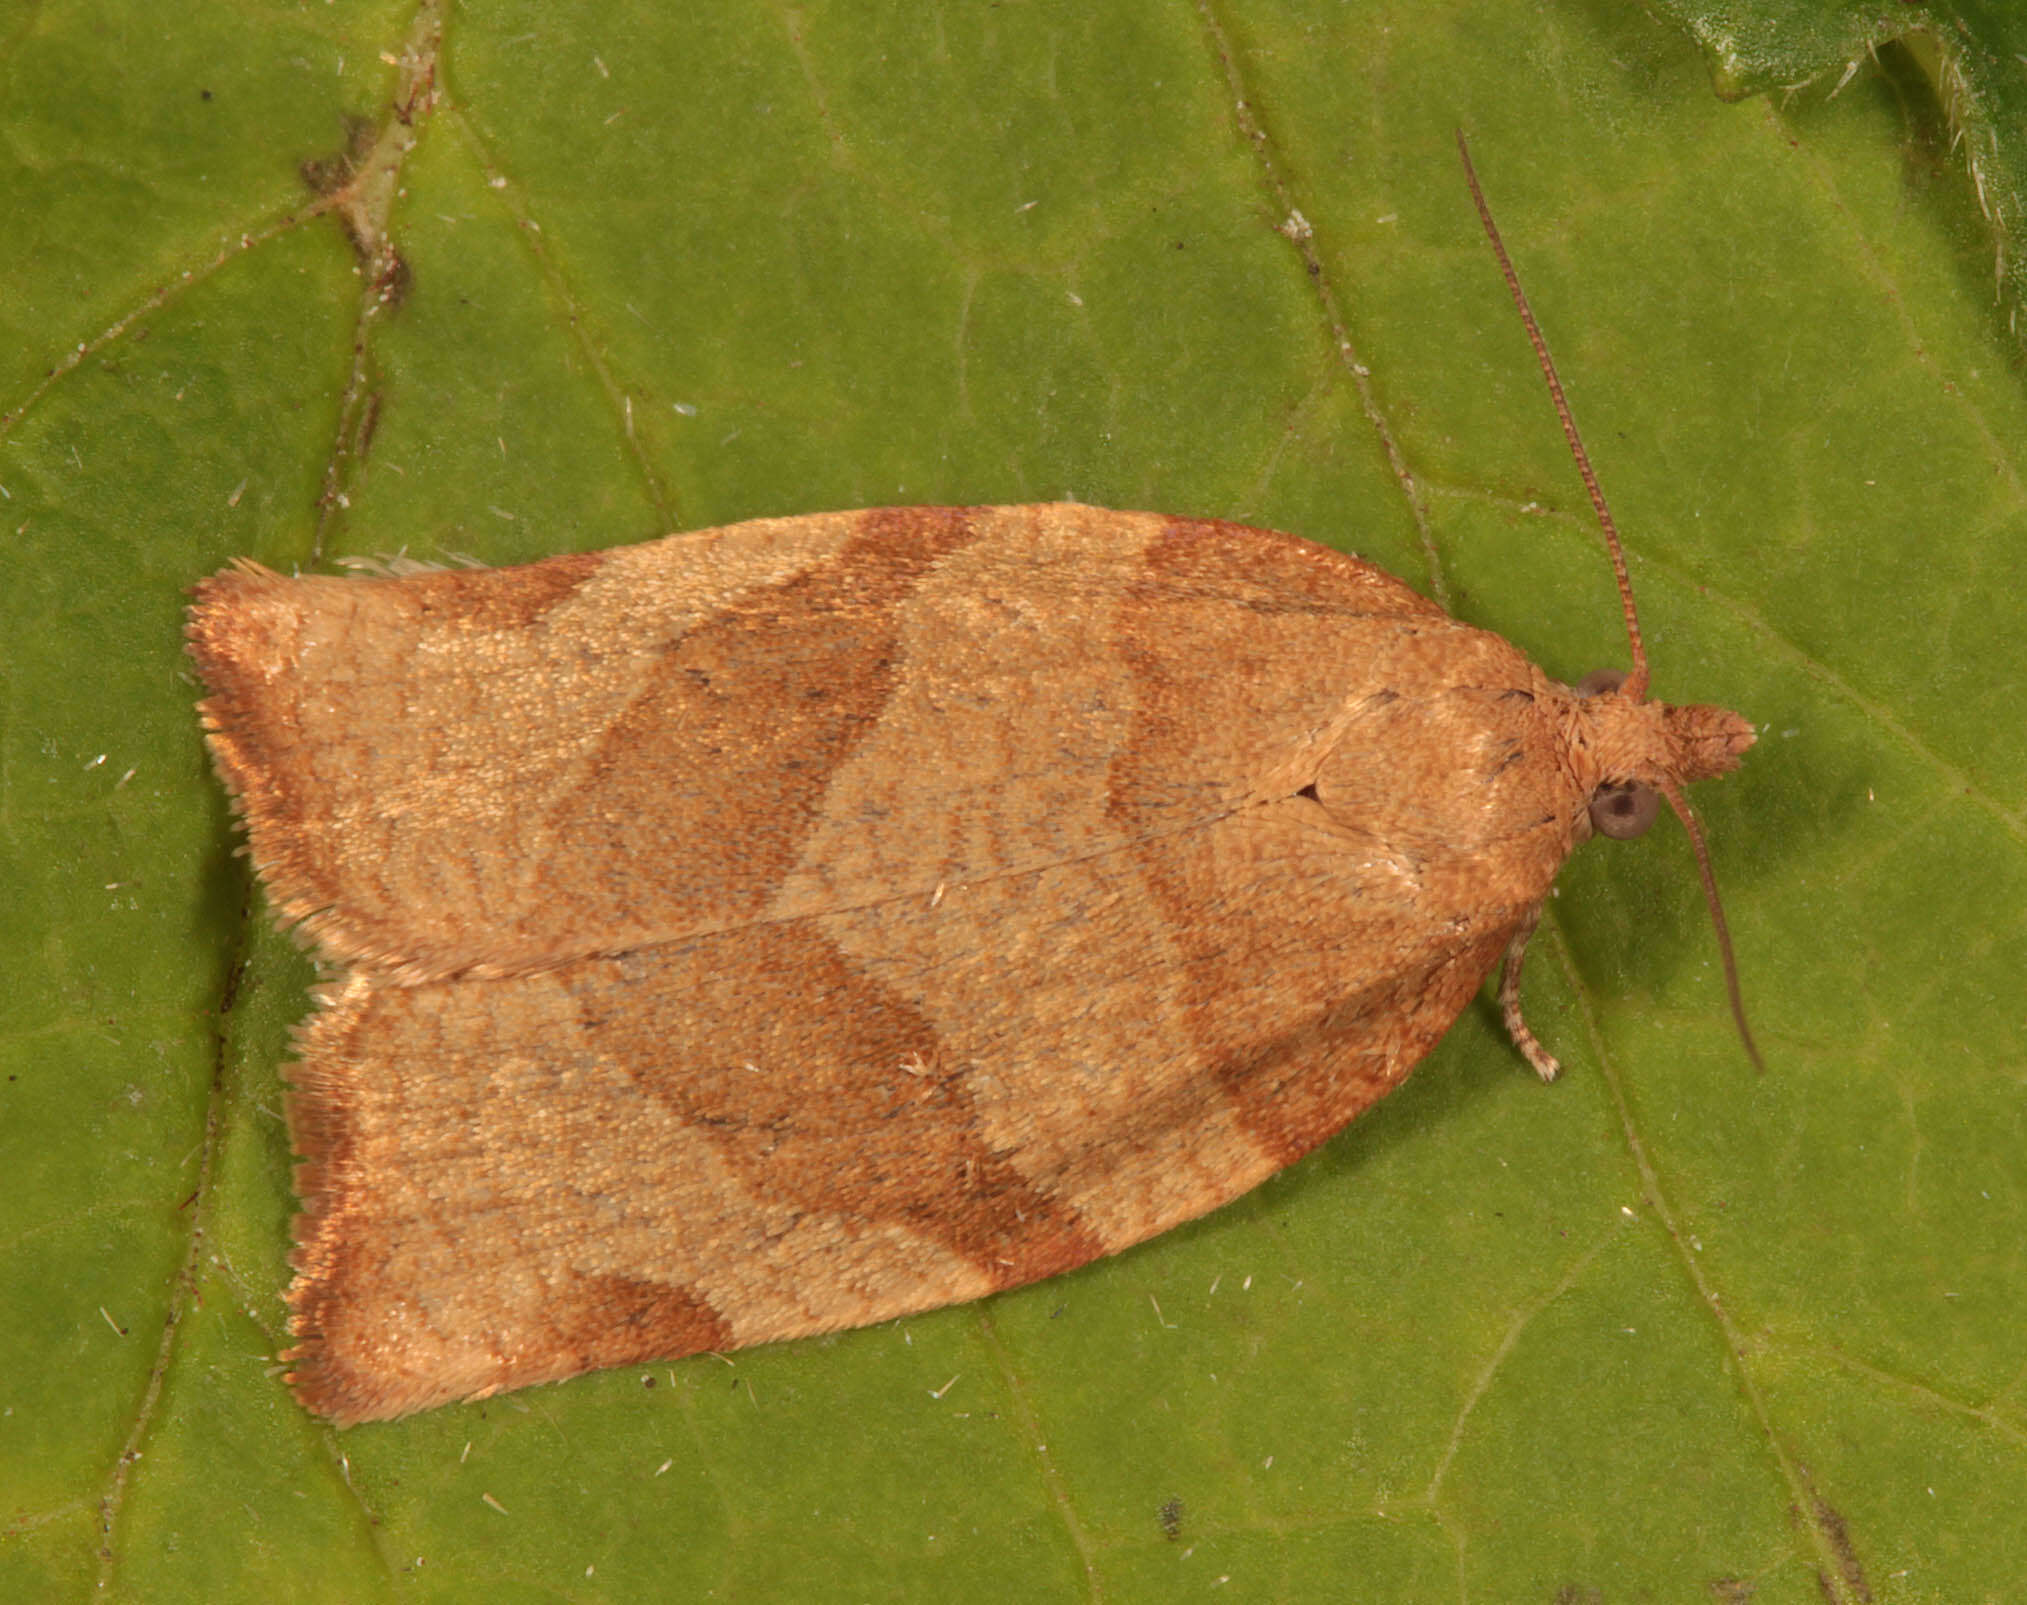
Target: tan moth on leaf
797,924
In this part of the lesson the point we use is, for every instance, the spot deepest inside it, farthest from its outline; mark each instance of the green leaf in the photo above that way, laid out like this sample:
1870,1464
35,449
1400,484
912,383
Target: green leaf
1962,65
1665,1330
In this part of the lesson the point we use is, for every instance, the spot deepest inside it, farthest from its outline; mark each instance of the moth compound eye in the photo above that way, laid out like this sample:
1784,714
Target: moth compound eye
1598,682
1625,810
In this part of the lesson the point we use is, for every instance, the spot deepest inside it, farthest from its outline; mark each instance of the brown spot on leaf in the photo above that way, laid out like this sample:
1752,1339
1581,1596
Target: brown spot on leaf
1830,1523
327,174
392,278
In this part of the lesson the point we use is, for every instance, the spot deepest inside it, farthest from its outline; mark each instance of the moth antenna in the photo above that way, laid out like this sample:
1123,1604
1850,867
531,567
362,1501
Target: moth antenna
1680,804
1636,682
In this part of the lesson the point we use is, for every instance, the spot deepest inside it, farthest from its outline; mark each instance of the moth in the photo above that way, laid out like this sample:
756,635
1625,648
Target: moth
797,924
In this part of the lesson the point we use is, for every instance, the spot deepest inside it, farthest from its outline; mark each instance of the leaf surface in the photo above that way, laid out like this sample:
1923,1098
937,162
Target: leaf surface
1663,1330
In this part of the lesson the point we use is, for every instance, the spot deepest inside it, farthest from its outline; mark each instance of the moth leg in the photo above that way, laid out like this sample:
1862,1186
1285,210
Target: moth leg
1526,1041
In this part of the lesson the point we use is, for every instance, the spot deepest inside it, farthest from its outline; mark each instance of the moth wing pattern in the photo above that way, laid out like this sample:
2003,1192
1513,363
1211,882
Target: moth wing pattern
798,924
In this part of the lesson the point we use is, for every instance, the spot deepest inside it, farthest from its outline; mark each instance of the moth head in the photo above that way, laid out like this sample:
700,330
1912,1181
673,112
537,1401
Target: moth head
1644,752
1642,748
